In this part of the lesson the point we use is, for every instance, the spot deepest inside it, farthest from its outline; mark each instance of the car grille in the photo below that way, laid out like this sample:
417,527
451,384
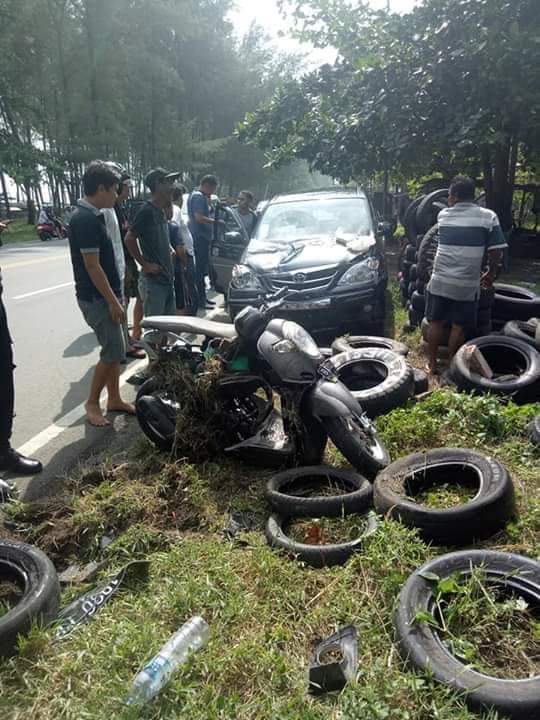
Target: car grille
309,280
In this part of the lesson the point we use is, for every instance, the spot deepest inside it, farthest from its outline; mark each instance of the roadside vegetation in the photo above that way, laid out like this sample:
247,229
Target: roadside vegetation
19,231
265,610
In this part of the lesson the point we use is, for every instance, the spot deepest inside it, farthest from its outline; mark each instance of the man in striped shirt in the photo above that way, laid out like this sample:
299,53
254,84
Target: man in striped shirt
466,233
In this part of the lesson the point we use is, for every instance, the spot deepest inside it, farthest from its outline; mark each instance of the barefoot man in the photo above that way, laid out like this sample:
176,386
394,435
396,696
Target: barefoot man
98,287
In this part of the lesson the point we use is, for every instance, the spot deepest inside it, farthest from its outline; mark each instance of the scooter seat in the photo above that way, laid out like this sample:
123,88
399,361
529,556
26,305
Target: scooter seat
179,324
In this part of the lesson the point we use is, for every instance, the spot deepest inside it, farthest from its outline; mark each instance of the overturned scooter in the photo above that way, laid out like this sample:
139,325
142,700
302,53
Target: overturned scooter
283,359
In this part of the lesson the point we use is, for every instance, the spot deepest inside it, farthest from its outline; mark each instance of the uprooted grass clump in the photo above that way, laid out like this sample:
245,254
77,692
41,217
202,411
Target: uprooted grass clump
201,433
266,611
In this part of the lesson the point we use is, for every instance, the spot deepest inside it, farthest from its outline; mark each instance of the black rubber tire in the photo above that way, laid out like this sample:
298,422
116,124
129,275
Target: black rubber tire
356,342
411,287
533,430
421,381
481,517
524,389
412,273
395,388
421,646
317,556
428,210
157,427
515,303
30,569
410,256
420,286
483,317
365,453
522,330
414,318
409,219
288,492
418,303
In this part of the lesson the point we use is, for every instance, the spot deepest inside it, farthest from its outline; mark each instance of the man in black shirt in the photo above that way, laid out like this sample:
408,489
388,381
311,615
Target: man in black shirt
97,286
10,459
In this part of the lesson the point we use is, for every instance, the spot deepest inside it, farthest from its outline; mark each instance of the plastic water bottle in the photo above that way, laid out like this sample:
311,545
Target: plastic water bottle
147,684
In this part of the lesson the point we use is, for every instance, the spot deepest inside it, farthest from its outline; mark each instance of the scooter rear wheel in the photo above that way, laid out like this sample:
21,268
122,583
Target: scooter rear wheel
362,448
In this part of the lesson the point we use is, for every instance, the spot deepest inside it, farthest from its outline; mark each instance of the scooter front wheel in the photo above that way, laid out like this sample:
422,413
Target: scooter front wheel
358,442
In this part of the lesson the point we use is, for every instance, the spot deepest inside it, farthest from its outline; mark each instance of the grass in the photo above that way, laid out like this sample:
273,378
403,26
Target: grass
492,631
19,231
327,531
266,612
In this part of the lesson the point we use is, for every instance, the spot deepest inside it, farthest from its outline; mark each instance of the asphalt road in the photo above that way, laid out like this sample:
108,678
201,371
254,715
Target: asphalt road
55,353
54,349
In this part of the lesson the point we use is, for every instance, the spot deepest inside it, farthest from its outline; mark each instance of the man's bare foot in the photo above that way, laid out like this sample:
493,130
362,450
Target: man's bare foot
121,406
95,416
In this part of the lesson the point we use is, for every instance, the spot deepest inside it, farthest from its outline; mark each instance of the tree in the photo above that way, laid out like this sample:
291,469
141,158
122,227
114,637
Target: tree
455,84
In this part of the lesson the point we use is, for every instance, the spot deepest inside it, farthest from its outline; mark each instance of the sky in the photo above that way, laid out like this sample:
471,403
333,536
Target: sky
266,13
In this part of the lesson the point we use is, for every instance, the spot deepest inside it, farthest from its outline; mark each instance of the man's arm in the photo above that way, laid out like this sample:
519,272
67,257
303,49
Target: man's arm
494,262
132,245
101,283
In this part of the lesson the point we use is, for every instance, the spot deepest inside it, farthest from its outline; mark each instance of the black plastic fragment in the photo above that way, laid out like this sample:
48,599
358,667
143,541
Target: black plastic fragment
334,661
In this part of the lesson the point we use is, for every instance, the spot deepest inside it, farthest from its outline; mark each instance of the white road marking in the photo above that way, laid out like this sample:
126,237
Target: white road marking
38,292
37,261
32,446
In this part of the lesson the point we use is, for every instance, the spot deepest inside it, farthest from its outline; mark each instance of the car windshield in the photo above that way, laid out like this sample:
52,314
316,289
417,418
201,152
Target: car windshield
288,222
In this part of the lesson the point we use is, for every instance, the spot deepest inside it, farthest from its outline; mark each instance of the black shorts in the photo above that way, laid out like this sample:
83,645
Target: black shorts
454,312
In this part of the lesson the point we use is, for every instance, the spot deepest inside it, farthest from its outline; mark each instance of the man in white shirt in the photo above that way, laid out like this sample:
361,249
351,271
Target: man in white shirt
191,305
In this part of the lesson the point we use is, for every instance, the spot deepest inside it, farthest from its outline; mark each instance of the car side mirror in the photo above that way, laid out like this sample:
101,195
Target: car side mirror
233,237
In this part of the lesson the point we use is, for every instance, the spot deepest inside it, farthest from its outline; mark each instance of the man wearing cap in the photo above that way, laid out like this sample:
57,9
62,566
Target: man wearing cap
148,242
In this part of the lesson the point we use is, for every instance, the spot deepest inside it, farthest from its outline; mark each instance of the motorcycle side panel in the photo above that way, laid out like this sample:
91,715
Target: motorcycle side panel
331,399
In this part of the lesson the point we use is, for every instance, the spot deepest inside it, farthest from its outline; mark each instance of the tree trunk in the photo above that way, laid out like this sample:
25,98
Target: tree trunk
5,194
30,207
503,184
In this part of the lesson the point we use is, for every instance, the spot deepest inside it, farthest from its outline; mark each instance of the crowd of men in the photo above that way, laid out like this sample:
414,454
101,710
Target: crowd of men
158,260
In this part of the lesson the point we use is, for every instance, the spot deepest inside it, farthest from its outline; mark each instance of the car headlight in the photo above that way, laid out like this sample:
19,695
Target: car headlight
296,334
244,279
361,273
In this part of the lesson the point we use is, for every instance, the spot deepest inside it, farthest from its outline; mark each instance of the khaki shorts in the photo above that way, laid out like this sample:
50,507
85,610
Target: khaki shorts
110,335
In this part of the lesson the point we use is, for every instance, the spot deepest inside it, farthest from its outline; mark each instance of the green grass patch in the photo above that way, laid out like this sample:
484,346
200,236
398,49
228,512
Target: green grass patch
266,611
19,231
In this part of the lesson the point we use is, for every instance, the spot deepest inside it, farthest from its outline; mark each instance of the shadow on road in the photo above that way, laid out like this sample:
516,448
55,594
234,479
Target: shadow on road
77,393
83,345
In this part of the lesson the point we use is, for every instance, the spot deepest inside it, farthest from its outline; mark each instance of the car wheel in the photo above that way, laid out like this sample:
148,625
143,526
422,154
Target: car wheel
421,646
33,575
515,364
379,379
482,516
297,492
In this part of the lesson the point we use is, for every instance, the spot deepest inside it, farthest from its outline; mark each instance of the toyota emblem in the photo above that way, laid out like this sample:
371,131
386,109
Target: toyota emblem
299,277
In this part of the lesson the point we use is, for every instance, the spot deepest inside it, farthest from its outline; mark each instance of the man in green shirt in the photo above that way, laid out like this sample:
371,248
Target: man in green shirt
148,242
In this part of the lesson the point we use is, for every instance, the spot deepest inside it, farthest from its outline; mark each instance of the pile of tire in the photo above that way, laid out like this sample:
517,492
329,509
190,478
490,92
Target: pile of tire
376,371
416,262
419,222
514,303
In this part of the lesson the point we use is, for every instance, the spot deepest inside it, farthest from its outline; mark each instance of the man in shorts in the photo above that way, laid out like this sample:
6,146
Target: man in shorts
148,242
466,233
98,287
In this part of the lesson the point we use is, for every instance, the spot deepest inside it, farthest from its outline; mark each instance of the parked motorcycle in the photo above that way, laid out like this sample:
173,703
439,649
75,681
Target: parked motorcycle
262,352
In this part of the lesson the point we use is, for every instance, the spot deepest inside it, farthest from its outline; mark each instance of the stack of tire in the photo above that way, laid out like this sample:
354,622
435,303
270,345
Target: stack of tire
419,219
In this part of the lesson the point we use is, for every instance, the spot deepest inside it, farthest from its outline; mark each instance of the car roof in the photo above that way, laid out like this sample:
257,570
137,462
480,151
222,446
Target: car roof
318,195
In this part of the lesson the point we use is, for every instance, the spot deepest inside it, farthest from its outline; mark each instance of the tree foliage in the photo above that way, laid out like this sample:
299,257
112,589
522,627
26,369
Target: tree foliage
455,84
142,83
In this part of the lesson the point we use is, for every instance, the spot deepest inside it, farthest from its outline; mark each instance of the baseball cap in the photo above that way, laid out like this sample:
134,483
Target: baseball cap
158,175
